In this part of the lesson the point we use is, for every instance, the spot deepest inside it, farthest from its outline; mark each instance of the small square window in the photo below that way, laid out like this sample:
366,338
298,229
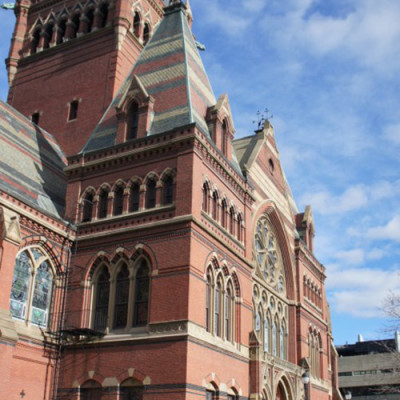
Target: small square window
35,118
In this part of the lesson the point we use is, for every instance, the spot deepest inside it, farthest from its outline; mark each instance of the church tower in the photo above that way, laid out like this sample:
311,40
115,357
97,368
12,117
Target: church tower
68,58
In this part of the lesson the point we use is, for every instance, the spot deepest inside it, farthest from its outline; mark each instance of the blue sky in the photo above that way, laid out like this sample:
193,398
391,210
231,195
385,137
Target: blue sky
329,72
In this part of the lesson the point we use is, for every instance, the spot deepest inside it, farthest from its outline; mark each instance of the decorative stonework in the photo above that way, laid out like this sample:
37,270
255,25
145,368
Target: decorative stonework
9,226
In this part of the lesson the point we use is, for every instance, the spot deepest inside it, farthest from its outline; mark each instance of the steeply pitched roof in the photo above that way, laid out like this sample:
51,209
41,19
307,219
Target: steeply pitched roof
31,163
171,71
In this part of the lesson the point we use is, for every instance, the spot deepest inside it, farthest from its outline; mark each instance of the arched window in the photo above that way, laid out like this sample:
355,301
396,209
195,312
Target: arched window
89,19
104,15
142,295
217,308
75,25
239,227
274,339
232,221
229,313
133,121
35,39
61,29
103,204
151,193
258,321
48,34
282,341
208,302
102,300
168,190
90,390
206,203
32,287
215,205
119,200
146,33
134,197
131,390
136,24
87,207
224,138
224,215
121,298
266,334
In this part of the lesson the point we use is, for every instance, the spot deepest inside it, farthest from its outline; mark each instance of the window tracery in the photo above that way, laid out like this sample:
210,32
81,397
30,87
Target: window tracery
113,287
32,287
268,257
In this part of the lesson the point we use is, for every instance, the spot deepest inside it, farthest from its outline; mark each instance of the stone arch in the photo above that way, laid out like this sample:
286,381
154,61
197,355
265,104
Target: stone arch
284,388
49,248
136,374
143,250
268,208
94,263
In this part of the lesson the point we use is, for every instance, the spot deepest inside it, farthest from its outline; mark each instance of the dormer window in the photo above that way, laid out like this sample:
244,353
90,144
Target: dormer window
136,24
35,118
133,121
73,110
146,33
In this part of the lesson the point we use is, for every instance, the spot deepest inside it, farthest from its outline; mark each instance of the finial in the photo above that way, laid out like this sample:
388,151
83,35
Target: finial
262,118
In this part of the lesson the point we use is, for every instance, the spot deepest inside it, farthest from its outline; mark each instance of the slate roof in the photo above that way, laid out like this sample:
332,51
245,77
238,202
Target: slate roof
31,163
171,71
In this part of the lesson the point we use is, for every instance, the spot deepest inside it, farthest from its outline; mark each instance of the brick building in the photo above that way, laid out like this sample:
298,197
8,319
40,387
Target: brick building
145,253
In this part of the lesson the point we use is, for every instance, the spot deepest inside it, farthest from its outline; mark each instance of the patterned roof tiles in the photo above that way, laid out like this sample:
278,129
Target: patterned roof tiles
170,68
31,163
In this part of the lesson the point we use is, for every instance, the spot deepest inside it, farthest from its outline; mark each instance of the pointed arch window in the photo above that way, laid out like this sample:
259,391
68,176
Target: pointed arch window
133,121
146,33
87,207
61,29
232,221
224,137
48,34
215,205
168,190
121,298
224,216
239,227
119,200
136,24
89,19
208,302
151,193
90,390
206,203
102,300
32,287
229,312
266,334
35,39
217,308
75,25
142,295
104,14
274,339
103,204
282,342
134,197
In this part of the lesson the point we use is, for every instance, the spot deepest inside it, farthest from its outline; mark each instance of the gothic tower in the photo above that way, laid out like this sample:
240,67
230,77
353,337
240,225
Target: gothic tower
68,58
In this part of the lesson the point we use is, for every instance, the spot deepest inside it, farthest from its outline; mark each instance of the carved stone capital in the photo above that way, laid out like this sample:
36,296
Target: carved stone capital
9,226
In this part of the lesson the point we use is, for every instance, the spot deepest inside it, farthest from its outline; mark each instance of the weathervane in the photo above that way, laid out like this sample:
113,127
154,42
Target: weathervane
262,117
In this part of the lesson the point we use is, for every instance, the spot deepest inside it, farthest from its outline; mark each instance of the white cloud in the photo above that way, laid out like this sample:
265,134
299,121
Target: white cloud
324,202
392,133
360,292
390,231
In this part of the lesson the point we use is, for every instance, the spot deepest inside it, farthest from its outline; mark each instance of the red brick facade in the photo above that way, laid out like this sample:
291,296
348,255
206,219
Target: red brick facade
181,268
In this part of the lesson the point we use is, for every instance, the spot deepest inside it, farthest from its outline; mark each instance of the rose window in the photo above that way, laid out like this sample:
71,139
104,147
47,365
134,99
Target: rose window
268,256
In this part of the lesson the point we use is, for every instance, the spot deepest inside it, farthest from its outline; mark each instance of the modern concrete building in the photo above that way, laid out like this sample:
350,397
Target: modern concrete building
370,370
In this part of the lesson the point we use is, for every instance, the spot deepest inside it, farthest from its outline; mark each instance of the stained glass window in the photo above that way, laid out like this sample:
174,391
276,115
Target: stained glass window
32,287
42,294
20,286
